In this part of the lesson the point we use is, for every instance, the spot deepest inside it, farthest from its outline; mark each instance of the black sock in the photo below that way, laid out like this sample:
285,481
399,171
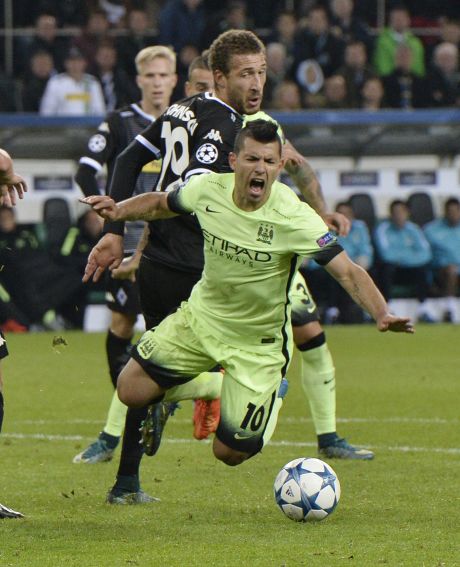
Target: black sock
131,450
118,353
326,439
1,410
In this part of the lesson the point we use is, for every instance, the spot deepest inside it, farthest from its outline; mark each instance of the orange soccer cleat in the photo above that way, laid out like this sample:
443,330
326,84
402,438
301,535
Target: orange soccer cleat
206,416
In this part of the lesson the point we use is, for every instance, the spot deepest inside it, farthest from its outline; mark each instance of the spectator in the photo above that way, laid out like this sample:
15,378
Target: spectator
95,31
139,35
398,33
355,71
443,78
444,238
277,68
44,39
284,32
32,280
73,92
317,42
233,16
403,88
405,255
372,94
357,245
286,96
449,32
35,80
117,86
182,22
334,94
348,27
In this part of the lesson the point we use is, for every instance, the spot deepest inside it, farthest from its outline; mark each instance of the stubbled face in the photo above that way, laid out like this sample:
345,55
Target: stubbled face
256,167
243,87
157,80
201,81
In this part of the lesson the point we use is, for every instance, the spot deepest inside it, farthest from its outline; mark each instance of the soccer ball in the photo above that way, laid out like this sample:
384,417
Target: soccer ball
307,490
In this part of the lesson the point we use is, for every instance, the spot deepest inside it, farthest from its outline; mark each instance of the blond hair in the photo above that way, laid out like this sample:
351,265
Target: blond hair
152,52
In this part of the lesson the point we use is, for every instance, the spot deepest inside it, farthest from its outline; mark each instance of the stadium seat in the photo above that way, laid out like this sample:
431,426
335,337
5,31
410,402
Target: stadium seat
421,208
56,222
363,208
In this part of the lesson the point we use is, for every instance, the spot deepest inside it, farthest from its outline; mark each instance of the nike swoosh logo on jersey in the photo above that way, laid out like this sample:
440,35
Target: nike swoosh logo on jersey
209,210
238,436
328,381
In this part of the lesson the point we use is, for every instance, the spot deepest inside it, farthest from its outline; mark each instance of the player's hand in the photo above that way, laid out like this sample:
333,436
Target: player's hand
396,324
291,155
9,187
337,222
108,253
104,206
127,269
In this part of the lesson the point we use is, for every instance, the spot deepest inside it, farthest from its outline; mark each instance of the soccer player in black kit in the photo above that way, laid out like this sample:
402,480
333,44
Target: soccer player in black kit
156,78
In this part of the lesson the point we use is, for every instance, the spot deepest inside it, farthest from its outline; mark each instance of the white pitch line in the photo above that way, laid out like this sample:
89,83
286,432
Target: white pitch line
282,443
287,419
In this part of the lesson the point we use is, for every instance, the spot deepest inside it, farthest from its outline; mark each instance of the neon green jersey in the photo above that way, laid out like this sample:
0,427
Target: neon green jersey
250,258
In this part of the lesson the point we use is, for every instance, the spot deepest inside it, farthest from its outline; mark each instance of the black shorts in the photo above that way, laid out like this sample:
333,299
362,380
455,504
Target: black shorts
122,296
162,289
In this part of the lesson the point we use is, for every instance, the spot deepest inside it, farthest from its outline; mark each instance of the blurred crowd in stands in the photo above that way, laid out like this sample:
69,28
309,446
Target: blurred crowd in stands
320,54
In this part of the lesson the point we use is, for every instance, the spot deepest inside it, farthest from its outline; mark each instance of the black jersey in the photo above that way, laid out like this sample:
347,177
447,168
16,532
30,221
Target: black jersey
113,136
193,136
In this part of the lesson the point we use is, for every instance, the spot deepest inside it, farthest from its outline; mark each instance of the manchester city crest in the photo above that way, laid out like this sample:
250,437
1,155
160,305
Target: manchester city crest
265,233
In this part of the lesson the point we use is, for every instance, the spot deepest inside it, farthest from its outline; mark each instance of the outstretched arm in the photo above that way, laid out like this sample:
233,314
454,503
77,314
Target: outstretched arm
10,183
147,207
305,179
357,282
108,252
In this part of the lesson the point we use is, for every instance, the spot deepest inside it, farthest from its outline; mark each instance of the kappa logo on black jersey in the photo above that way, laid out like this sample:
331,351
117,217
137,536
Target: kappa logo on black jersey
97,143
213,135
207,153
265,233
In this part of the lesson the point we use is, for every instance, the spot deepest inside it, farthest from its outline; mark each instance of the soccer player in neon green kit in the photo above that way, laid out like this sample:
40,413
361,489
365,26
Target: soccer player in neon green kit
238,315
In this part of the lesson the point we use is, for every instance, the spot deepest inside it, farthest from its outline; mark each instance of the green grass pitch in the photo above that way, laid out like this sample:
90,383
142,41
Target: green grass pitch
396,394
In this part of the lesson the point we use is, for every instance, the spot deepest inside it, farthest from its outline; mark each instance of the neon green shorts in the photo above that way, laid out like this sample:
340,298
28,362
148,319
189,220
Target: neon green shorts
173,353
303,306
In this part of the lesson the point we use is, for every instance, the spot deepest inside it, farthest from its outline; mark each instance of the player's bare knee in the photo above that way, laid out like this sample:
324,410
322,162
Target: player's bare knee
305,333
229,456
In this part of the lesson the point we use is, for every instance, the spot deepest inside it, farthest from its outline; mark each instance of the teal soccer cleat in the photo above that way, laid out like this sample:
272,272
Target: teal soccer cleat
341,449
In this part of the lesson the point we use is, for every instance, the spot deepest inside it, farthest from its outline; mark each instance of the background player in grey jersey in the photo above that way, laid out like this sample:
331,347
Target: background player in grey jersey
10,184
156,78
247,330
194,136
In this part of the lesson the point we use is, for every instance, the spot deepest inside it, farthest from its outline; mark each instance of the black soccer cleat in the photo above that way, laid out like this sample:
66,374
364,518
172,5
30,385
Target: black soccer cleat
9,513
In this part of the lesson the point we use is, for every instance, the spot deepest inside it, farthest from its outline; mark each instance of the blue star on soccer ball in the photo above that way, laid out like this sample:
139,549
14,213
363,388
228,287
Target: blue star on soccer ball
328,479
